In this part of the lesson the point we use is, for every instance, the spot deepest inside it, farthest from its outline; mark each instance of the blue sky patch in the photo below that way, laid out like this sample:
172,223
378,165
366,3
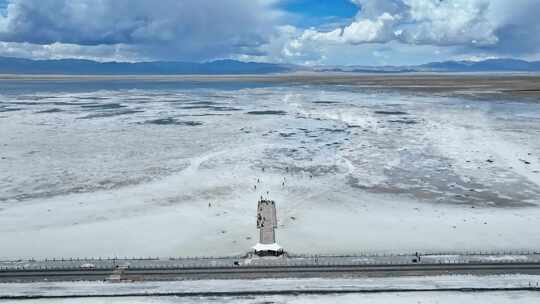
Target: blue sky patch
319,12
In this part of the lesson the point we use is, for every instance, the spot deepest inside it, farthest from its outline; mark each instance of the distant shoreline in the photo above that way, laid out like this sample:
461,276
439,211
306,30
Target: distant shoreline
312,74
510,84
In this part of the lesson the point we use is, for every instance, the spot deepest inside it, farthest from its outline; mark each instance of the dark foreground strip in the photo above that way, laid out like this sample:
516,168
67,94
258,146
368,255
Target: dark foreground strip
165,274
267,293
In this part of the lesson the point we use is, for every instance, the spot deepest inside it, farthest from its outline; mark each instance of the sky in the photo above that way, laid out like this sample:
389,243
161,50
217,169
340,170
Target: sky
307,32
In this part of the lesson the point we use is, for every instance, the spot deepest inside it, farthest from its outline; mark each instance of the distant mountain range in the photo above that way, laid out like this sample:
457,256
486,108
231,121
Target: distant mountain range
10,65
484,66
490,65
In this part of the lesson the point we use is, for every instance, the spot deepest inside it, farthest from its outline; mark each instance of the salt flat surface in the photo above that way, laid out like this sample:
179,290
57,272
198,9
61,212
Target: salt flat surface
253,286
147,170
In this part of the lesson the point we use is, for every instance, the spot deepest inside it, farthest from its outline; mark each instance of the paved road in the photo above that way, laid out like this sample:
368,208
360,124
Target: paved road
268,271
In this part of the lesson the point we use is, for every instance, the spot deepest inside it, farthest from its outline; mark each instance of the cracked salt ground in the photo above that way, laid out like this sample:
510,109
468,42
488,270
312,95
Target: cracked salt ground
136,178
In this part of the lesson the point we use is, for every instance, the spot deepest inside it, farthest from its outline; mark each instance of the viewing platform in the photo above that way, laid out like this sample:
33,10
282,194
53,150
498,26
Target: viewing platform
267,224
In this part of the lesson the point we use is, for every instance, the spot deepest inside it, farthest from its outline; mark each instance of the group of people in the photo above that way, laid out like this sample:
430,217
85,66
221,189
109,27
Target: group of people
283,182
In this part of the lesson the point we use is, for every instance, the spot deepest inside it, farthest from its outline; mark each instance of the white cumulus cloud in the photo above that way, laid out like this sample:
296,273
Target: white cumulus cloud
496,26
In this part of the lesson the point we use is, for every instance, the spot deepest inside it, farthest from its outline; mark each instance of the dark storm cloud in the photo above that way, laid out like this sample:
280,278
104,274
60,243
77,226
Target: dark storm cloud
520,30
189,29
